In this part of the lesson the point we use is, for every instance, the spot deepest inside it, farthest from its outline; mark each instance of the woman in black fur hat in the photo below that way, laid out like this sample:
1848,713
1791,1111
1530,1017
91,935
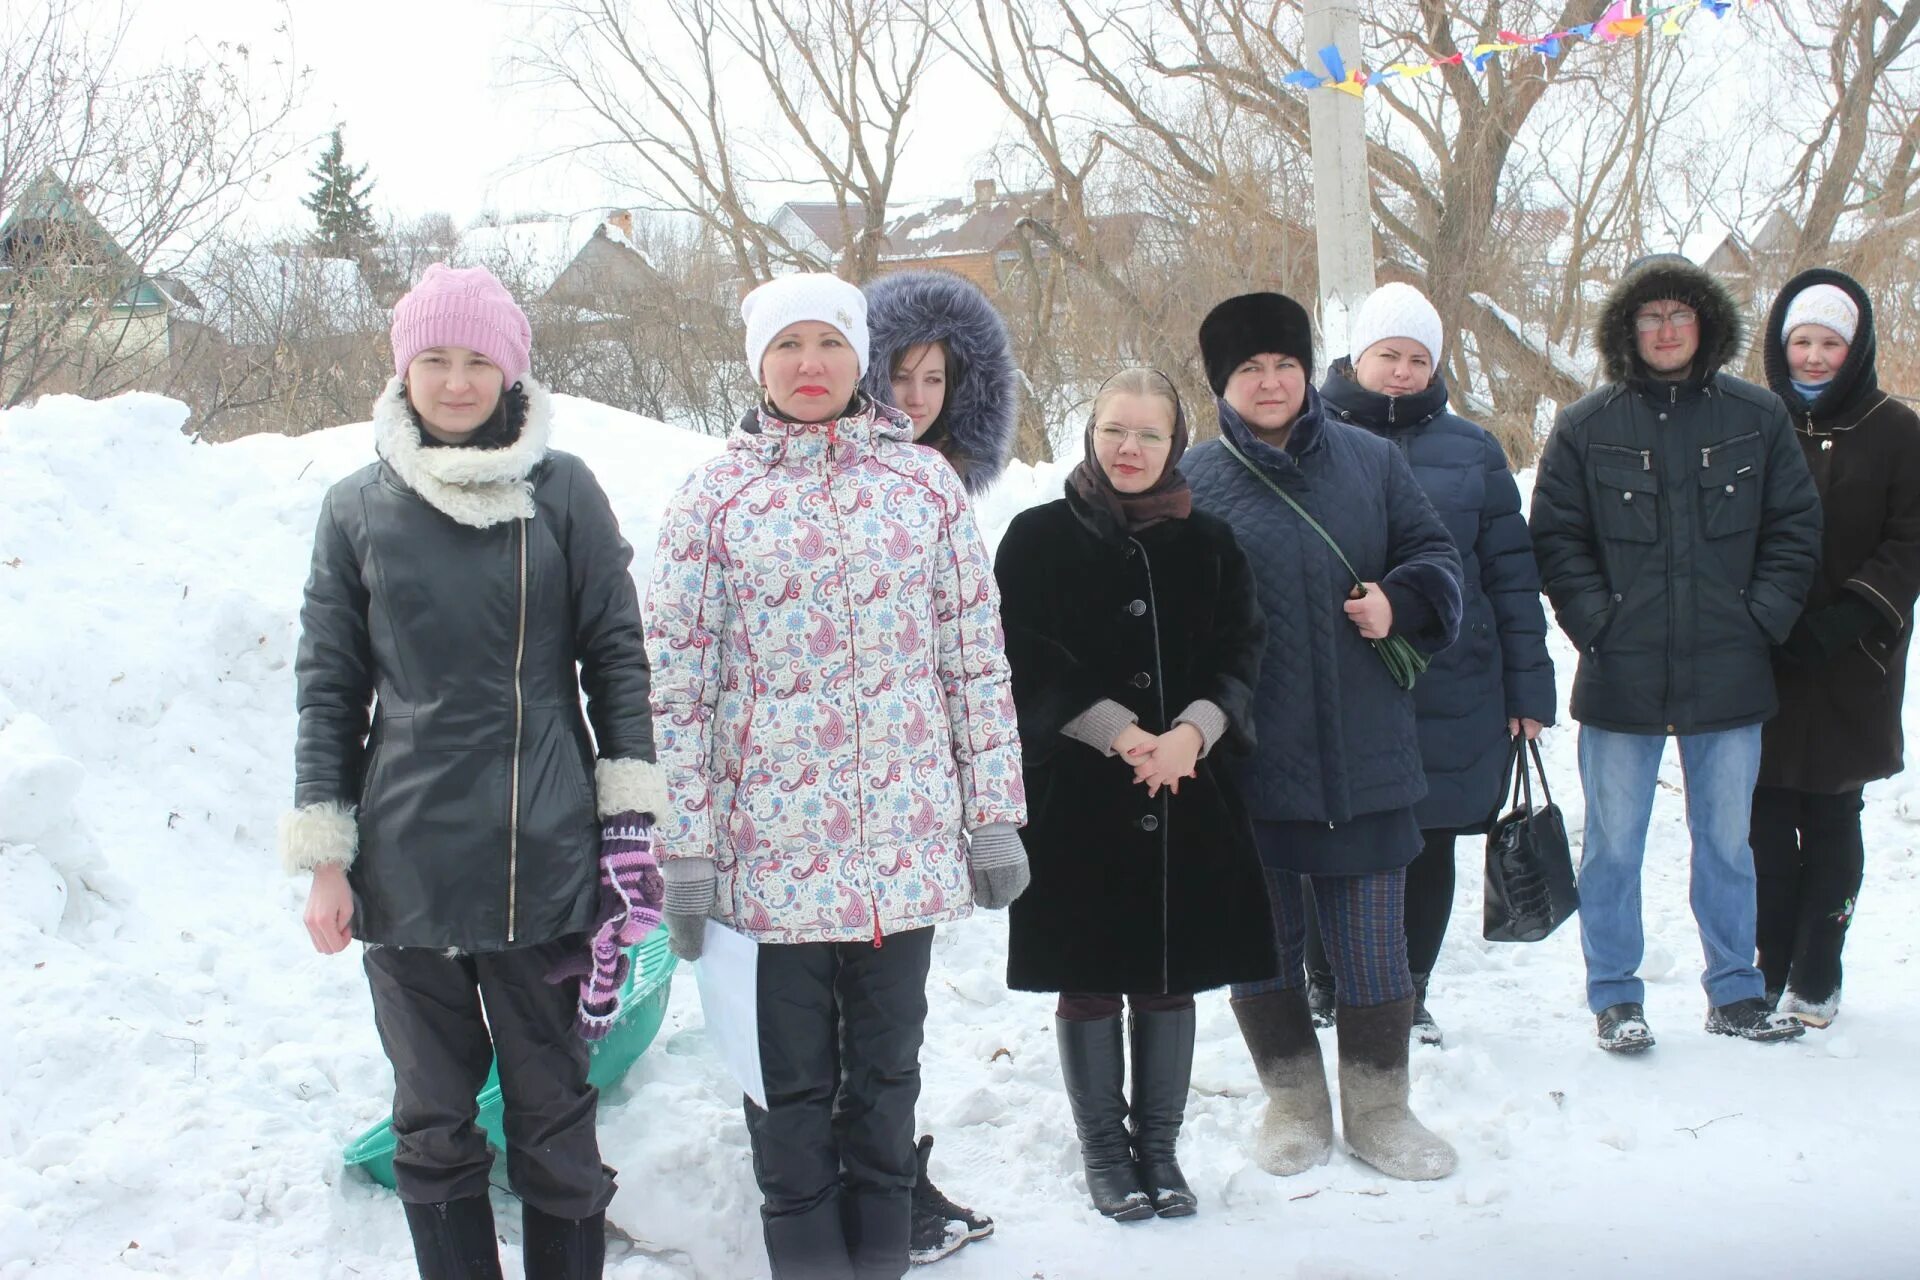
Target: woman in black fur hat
1335,770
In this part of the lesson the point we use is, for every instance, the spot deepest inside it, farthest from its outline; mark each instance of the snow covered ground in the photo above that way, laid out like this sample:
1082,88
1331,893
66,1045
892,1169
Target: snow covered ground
179,1070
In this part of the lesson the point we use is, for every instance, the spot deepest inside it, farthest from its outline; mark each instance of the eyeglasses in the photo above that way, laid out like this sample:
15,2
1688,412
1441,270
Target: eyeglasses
1653,324
1117,436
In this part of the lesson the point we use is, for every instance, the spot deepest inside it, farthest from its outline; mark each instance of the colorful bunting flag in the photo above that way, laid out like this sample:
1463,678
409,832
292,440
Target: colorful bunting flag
1619,22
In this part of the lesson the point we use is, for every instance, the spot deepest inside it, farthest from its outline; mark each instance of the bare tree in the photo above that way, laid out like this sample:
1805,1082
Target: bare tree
112,179
837,76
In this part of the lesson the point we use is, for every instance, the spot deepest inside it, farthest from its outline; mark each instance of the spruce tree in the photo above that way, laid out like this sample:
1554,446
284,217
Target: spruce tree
339,204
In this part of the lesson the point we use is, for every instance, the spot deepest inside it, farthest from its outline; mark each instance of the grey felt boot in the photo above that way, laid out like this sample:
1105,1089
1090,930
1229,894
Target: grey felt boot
1296,1133
1373,1095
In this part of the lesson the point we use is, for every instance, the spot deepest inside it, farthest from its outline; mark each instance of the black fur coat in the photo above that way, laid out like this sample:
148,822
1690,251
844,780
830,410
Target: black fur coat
1131,893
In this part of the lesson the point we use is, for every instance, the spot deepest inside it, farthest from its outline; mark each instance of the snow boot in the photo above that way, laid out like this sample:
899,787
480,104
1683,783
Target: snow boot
1162,1045
1296,1132
940,1226
1750,1019
454,1240
1093,1061
1320,997
562,1248
1373,1095
1818,1014
1622,1028
1425,1029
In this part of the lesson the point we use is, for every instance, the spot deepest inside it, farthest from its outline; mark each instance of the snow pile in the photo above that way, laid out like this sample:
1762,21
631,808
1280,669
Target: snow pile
179,1070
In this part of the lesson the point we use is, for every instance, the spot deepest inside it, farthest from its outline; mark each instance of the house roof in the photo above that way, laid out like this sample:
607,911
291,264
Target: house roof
537,251
48,198
948,226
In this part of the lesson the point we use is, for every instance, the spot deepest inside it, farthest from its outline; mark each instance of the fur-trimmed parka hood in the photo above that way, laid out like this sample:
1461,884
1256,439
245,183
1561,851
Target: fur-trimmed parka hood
1855,382
477,487
976,428
1661,278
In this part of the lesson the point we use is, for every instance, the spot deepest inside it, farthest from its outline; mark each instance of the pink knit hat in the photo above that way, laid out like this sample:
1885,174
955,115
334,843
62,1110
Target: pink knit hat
462,307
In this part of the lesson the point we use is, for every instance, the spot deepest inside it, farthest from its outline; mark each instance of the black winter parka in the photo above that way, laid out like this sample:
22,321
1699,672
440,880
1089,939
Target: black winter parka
1676,526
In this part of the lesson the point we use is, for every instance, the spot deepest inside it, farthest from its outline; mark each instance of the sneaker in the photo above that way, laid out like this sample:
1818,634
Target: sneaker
1623,1028
1320,999
1818,1014
1750,1019
940,1226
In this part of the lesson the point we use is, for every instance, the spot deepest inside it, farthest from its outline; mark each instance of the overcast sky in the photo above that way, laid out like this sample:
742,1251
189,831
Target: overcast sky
423,90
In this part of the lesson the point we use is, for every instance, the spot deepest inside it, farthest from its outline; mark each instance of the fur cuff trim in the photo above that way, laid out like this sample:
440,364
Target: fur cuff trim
477,487
316,834
630,786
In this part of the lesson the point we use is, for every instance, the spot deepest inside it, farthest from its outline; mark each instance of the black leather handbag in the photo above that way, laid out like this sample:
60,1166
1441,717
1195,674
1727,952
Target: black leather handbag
1530,884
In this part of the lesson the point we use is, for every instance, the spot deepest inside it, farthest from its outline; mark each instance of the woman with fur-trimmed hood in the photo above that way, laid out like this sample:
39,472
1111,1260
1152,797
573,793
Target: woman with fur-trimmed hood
940,354
465,588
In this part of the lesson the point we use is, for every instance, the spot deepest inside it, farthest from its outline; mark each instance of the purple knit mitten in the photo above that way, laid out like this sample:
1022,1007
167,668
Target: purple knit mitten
631,894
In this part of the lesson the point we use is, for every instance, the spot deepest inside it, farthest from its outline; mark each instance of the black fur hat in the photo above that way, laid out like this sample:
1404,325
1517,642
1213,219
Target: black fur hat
1667,277
975,429
1254,324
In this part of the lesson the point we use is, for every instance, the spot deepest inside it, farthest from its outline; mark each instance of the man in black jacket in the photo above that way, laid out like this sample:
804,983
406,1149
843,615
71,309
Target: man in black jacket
1677,530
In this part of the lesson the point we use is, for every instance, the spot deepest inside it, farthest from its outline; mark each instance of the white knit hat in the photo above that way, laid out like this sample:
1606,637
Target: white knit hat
1396,310
1822,304
791,299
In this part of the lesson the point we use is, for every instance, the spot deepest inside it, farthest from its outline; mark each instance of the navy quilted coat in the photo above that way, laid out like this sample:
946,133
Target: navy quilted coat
1499,667
1335,736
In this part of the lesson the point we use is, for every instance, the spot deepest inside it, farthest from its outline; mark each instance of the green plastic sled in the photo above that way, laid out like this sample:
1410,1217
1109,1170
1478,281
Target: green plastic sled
643,1007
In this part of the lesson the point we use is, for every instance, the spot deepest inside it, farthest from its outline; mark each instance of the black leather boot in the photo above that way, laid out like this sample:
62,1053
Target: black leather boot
1162,1045
1093,1060
563,1248
454,1240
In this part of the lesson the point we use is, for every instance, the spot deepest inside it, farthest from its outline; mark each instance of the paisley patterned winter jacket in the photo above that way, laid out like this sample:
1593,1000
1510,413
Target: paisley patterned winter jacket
830,688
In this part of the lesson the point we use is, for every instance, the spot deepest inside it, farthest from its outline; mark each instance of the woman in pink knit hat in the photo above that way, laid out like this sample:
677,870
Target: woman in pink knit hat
450,809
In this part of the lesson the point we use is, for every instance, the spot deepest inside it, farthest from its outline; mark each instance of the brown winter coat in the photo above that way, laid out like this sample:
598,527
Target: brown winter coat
1839,720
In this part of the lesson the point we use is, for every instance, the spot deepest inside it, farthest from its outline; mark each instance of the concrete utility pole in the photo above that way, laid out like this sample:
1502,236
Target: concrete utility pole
1342,216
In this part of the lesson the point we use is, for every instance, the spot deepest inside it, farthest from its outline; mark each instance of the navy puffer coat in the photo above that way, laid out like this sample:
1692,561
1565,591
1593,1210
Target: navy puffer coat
1499,667
1335,736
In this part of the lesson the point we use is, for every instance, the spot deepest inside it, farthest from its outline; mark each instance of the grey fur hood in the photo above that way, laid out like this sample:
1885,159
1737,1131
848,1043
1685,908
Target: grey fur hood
1668,276
977,425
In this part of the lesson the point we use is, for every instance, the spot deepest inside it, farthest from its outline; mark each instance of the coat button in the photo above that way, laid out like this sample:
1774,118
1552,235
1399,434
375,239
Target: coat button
1136,607
1663,417
1627,496
1617,597
1140,680
1149,823
1729,488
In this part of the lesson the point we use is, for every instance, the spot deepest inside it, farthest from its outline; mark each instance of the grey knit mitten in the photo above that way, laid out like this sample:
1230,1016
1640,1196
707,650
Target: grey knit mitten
691,884
999,863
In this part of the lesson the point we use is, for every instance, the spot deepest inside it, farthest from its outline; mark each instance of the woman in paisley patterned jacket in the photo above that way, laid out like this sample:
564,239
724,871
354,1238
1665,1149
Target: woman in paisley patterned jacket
834,715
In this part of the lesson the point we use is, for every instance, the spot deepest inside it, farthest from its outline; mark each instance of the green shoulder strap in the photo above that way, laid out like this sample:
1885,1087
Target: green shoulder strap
1404,662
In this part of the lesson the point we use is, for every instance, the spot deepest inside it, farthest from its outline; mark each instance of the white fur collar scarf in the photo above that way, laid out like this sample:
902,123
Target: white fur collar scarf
477,487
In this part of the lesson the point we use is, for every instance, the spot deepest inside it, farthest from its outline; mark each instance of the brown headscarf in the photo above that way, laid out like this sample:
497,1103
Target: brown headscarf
1169,498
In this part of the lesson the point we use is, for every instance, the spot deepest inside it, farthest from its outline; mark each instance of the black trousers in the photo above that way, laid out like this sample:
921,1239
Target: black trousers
1808,858
428,1007
1430,883
840,1031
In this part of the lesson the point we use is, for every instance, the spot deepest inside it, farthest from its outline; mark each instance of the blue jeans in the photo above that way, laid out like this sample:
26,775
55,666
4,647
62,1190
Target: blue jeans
1617,772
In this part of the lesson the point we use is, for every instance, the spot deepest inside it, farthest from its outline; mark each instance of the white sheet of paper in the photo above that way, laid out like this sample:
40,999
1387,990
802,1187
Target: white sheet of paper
728,973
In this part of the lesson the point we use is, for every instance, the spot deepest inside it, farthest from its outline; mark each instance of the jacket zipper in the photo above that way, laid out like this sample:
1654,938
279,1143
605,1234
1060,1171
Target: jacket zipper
1707,452
853,665
519,725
